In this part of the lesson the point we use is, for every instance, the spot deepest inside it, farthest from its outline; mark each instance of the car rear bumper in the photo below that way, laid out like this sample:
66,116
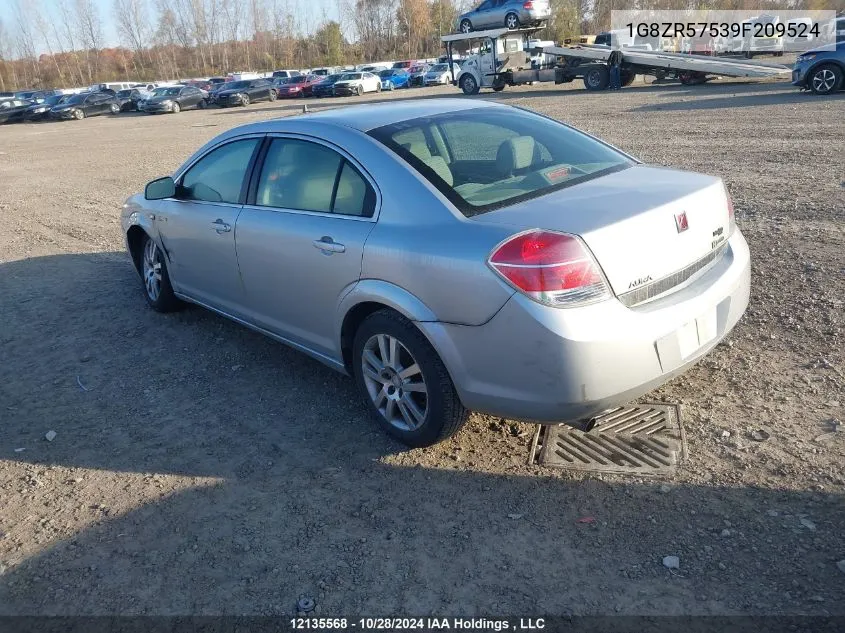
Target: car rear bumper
545,364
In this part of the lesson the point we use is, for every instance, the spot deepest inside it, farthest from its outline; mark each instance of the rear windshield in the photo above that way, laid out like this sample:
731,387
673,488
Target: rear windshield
486,158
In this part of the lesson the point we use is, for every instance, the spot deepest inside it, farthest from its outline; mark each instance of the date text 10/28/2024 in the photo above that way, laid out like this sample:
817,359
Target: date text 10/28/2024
417,624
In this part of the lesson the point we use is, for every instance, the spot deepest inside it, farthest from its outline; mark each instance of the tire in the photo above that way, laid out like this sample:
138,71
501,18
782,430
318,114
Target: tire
378,87
425,416
392,87
597,78
465,26
115,109
202,105
468,84
156,280
359,90
176,107
245,100
825,79
512,21
692,78
271,95
78,114
628,78
498,87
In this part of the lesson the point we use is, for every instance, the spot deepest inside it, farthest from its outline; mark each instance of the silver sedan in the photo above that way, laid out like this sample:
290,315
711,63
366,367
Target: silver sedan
450,255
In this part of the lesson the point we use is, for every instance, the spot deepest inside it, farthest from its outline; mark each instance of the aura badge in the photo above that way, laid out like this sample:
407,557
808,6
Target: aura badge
681,221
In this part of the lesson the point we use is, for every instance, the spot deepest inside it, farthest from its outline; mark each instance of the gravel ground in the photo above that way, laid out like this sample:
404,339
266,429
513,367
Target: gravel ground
199,468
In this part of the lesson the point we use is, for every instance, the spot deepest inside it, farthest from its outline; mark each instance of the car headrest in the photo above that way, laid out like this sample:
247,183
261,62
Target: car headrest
515,153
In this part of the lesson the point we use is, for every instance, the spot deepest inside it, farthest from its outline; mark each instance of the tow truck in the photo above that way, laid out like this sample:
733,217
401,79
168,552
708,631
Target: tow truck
501,57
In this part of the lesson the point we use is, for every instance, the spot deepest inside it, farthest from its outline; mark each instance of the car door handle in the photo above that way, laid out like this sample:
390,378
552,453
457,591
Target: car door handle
220,226
328,245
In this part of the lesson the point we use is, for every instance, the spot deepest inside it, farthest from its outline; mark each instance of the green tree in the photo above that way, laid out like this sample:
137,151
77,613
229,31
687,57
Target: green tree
331,43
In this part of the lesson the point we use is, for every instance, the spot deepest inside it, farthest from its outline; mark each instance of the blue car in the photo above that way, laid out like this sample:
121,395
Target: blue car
821,71
393,78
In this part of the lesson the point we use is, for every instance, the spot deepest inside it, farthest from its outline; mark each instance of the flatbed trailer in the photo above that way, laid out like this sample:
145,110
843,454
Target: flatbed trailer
590,64
502,58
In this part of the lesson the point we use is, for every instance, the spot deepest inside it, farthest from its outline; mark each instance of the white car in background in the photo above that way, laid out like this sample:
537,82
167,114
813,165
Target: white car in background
439,74
357,83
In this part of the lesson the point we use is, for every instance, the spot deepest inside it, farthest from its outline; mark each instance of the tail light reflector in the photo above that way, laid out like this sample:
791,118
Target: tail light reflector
555,269
528,4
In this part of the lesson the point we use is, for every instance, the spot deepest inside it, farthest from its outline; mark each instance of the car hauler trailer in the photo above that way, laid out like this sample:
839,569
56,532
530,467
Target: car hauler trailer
498,58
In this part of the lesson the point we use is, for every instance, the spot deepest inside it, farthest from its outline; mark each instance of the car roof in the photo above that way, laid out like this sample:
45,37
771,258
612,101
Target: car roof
368,116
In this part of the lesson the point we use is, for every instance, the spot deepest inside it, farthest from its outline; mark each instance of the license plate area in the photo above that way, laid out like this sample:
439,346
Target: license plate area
679,346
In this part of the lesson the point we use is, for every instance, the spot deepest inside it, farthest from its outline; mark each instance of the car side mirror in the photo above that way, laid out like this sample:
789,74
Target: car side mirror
160,188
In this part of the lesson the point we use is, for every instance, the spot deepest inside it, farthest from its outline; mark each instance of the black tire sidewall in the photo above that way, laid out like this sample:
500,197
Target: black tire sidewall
438,383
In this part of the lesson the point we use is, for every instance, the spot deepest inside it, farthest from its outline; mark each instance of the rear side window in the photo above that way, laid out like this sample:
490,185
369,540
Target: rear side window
487,158
219,175
307,176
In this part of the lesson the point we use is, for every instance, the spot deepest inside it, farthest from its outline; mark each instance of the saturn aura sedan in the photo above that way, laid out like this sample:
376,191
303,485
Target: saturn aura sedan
451,256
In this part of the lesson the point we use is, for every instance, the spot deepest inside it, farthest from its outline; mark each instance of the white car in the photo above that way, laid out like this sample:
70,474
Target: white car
439,74
357,84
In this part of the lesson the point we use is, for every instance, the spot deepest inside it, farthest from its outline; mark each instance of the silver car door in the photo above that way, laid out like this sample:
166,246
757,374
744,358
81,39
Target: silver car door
301,240
197,227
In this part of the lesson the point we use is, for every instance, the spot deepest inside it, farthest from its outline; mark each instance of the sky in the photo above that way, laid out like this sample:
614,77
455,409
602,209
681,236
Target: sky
311,10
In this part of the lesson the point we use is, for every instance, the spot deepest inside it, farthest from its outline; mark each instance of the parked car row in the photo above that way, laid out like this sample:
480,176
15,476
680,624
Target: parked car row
31,105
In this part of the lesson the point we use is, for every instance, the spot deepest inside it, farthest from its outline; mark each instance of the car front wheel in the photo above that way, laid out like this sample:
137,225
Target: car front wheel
115,109
466,26
512,21
176,107
404,382
469,85
825,79
245,100
157,289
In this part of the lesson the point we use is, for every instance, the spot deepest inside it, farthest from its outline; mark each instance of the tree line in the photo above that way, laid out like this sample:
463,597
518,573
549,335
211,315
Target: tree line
61,43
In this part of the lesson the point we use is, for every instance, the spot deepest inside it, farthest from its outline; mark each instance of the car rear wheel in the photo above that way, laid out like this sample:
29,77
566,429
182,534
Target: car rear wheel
78,114
512,21
245,100
157,288
466,26
378,87
202,105
272,95
391,87
469,85
359,90
597,78
115,109
176,107
404,382
825,79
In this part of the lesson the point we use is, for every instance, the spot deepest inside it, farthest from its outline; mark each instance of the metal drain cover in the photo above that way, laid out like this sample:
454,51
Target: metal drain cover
643,439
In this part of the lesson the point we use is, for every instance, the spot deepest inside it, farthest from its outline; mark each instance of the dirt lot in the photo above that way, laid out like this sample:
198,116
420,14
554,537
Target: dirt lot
199,468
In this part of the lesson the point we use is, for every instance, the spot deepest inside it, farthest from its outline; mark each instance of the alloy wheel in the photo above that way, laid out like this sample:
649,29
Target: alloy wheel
511,21
152,270
394,382
466,27
823,80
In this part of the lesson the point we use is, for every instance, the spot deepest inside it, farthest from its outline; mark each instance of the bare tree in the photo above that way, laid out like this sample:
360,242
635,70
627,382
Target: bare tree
133,24
90,31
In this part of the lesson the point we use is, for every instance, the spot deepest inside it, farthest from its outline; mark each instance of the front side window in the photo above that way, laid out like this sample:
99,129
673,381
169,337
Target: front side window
218,176
311,177
486,158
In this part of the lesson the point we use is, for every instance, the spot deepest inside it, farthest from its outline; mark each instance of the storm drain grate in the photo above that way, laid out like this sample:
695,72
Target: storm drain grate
643,439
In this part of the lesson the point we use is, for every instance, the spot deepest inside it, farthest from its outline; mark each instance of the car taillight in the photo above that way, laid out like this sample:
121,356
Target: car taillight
528,4
555,269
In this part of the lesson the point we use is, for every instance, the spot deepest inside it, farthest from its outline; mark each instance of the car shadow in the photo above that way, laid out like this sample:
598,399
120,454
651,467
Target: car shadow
199,468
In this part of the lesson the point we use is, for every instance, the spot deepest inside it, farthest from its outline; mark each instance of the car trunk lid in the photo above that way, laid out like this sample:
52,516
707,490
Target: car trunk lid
643,224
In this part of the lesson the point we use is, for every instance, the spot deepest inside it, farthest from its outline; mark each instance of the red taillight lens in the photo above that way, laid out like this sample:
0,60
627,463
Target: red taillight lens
555,269
528,5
